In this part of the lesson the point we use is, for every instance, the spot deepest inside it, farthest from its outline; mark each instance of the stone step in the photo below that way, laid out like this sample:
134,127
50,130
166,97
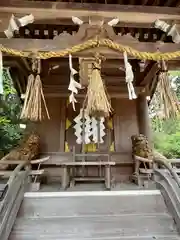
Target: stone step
101,227
137,215
91,205
169,237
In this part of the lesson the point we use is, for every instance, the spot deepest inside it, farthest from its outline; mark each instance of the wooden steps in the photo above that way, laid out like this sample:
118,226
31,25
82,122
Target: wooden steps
94,218
94,227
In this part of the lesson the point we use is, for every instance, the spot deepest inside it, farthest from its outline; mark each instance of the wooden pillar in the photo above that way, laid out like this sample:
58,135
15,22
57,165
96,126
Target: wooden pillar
62,106
143,118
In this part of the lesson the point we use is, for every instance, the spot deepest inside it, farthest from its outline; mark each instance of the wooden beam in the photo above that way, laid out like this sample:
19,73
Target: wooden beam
19,63
5,16
114,66
63,63
69,23
153,86
62,91
143,117
126,13
4,22
60,79
19,72
62,117
173,65
79,95
17,80
148,74
30,45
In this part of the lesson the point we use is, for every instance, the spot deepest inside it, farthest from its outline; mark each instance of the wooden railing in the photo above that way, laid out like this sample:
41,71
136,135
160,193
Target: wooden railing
159,163
11,201
168,165
168,181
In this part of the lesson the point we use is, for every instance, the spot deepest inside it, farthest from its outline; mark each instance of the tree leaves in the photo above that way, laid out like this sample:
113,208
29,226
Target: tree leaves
10,108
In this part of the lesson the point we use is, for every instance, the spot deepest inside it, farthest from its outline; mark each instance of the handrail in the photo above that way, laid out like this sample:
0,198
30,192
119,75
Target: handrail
169,167
10,204
16,171
142,159
174,160
11,180
171,194
17,162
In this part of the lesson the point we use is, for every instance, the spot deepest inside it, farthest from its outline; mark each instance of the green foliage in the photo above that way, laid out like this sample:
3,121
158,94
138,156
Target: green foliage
168,145
174,73
4,121
166,133
10,108
167,137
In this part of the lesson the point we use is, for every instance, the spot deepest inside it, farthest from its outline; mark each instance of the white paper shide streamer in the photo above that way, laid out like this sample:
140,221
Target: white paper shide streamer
79,128
129,78
170,30
94,125
87,129
113,22
15,23
90,129
1,73
102,128
94,130
77,20
73,85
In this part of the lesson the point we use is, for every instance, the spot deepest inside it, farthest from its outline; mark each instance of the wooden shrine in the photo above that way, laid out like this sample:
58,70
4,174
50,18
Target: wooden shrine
52,34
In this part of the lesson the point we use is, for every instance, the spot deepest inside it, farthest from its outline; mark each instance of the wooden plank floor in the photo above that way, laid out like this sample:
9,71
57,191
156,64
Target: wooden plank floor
94,217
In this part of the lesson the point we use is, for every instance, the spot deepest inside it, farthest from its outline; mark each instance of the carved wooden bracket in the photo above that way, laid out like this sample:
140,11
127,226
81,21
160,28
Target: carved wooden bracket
96,27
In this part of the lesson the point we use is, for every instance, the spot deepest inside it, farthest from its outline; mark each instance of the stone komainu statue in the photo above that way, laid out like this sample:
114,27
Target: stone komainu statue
28,149
141,147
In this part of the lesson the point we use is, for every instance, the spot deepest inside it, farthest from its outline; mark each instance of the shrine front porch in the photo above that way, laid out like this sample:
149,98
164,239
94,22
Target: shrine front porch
62,173
58,139
121,166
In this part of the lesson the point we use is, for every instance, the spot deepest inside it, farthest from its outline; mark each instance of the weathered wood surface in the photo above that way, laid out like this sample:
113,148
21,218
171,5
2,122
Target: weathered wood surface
11,210
124,123
87,31
56,10
94,163
88,206
3,190
69,177
143,118
58,158
32,172
12,199
170,191
49,45
94,217
17,162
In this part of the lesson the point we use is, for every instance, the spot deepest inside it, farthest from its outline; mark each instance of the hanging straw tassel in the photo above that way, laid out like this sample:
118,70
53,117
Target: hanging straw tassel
37,100
27,103
167,97
129,77
34,98
98,103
